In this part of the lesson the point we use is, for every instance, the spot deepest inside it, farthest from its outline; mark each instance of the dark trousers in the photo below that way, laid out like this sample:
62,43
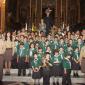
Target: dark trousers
46,76
1,67
67,78
46,80
21,67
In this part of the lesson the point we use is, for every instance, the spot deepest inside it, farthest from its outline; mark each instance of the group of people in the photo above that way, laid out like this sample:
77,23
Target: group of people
52,55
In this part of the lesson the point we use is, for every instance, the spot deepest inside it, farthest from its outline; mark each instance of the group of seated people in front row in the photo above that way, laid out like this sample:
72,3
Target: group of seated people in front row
48,56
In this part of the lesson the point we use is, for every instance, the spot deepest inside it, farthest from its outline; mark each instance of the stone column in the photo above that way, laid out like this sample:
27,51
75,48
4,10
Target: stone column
3,17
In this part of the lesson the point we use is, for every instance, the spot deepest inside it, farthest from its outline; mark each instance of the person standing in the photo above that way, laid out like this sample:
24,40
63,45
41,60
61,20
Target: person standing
46,64
21,60
82,58
36,66
42,26
48,21
2,50
56,68
82,53
66,79
8,53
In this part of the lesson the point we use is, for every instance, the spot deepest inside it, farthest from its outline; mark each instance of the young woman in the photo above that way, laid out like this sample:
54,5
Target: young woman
2,50
8,53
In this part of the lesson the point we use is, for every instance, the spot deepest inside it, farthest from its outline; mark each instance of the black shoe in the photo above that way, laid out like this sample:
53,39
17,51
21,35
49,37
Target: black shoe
19,74
24,74
77,75
1,83
74,74
54,83
57,83
29,74
7,73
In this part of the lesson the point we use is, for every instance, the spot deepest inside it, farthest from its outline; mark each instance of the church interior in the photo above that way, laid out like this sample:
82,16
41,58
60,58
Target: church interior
55,28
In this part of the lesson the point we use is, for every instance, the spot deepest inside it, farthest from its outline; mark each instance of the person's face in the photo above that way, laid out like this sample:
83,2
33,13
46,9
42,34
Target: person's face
35,56
83,32
48,48
56,53
32,45
40,50
21,46
79,40
37,45
70,41
8,34
47,56
25,39
61,49
68,57
22,38
61,41
76,50
55,39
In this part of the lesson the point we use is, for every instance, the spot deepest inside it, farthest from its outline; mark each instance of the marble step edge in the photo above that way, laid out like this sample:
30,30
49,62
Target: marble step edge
30,80
15,71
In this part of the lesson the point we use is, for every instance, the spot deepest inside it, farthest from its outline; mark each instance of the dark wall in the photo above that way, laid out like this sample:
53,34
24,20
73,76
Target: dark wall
82,9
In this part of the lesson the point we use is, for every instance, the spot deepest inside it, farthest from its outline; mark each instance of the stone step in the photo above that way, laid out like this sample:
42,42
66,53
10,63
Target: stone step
30,80
14,78
15,71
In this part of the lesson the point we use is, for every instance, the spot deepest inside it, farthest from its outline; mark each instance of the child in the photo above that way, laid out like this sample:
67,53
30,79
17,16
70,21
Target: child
46,69
21,59
36,65
76,65
56,68
66,80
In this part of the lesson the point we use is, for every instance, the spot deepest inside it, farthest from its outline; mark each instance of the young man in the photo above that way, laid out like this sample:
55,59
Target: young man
66,71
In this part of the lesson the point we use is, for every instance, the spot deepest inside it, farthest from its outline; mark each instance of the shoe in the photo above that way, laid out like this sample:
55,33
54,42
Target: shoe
77,75
57,83
7,73
74,74
29,74
1,83
19,74
24,74
54,83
